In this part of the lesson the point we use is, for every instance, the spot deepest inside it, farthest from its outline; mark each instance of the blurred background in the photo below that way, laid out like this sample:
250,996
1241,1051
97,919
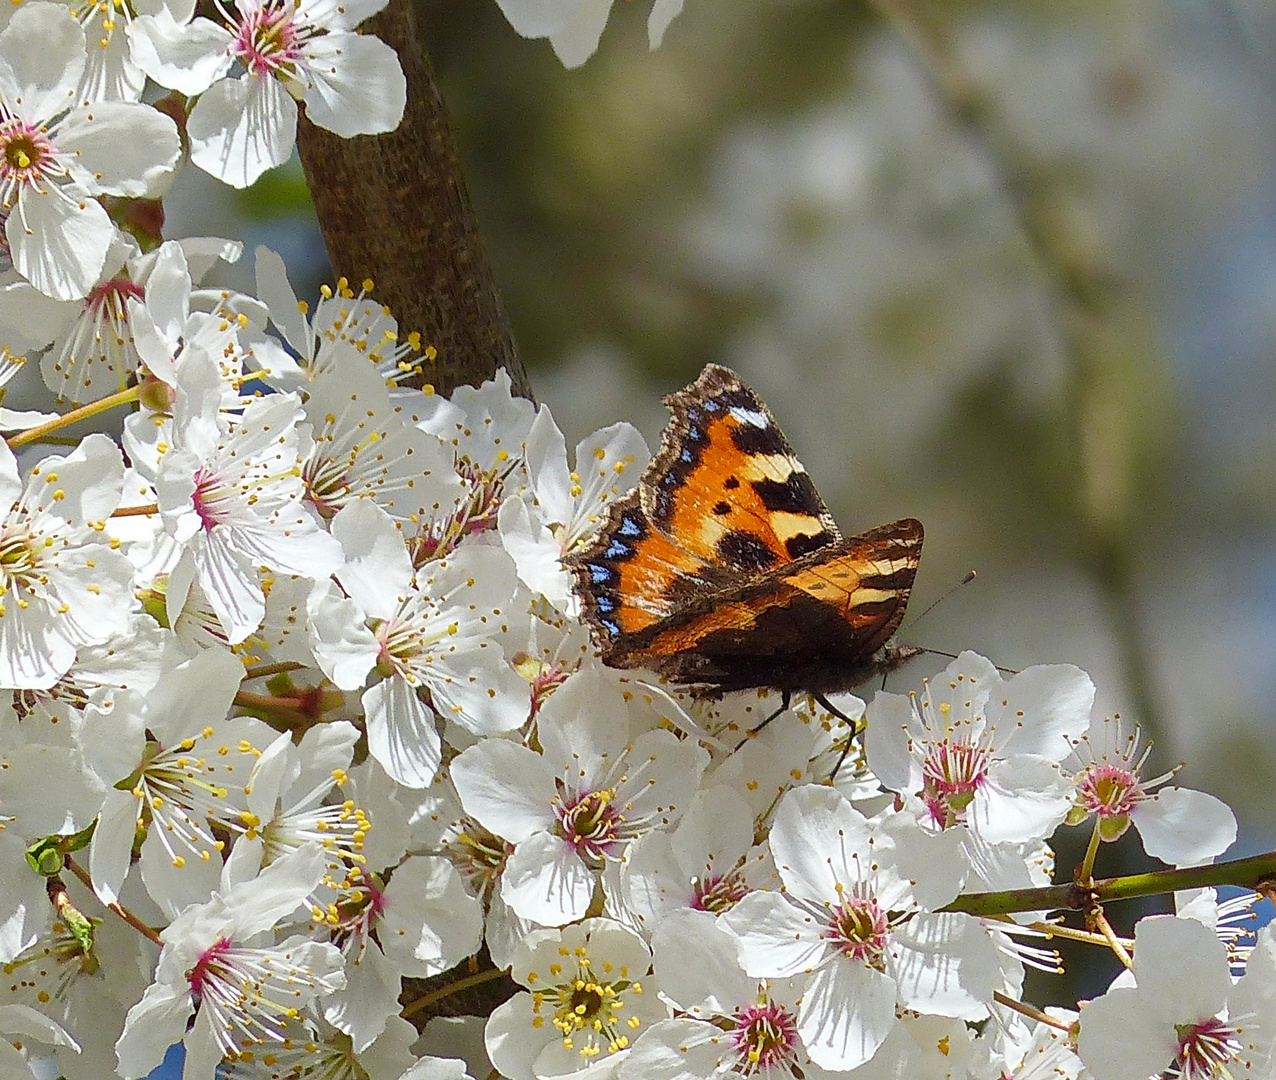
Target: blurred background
1012,273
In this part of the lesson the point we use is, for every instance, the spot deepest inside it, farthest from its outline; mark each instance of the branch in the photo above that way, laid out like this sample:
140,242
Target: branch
394,208
1257,872
475,987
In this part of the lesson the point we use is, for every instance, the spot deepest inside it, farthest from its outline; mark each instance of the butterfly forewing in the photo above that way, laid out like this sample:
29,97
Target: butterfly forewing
726,486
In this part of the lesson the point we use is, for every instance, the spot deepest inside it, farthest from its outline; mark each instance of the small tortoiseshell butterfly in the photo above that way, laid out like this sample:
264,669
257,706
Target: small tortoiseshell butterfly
723,570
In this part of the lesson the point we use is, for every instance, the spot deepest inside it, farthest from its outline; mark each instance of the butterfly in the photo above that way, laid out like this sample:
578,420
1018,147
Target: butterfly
723,570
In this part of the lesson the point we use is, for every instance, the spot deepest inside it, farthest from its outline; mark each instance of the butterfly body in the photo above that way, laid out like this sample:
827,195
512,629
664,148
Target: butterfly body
723,569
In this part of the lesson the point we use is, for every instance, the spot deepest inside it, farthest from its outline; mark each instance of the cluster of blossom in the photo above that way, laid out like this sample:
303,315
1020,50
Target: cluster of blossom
302,695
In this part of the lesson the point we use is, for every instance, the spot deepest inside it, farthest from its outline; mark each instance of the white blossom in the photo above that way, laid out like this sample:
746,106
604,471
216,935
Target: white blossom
858,914
978,751
220,963
603,778
56,154
62,583
589,996
241,126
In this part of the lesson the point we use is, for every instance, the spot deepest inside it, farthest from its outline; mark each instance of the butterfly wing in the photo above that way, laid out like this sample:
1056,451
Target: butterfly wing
814,624
724,567
630,577
726,486
724,499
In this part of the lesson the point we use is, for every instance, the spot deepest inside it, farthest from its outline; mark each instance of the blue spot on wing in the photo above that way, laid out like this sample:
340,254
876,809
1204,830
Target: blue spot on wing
630,526
618,549
599,574
612,627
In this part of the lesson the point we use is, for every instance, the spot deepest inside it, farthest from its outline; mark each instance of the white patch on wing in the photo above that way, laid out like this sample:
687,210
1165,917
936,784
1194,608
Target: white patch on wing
750,416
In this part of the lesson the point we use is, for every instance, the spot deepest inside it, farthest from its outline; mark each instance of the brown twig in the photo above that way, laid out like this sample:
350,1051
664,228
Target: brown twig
147,932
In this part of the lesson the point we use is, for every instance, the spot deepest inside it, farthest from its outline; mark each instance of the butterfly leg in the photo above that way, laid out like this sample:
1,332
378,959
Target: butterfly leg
827,706
785,697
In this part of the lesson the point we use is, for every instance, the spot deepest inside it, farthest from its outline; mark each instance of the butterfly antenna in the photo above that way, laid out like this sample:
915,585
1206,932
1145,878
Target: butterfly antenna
953,656
969,577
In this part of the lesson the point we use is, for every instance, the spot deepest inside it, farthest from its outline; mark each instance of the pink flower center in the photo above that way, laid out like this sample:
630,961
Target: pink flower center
208,966
951,775
358,911
544,683
592,823
267,41
475,513
1205,1048
765,1037
211,503
719,893
112,294
860,929
26,153
1109,790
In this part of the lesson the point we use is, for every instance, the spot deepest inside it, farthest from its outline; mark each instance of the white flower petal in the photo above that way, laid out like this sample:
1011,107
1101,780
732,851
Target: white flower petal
370,997
1181,968
42,54
378,571
577,41
512,1042
546,881
402,735
358,87
187,57
1118,1040
121,148
777,940
847,1011
697,964
154,1024
945,964
663,12
1042,709
275,291
1023,798
539,18
241,127
815,827
1182,826
344,647
59,238
506,787
430,922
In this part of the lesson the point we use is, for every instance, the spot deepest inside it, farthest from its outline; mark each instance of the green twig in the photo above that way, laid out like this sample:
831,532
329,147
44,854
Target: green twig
1257,872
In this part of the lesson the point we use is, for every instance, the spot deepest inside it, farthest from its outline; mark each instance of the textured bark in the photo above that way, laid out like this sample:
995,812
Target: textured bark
394,208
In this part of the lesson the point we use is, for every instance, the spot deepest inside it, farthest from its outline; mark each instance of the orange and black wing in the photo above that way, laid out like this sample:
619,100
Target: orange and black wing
816,624
724,500
725,568
726,486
